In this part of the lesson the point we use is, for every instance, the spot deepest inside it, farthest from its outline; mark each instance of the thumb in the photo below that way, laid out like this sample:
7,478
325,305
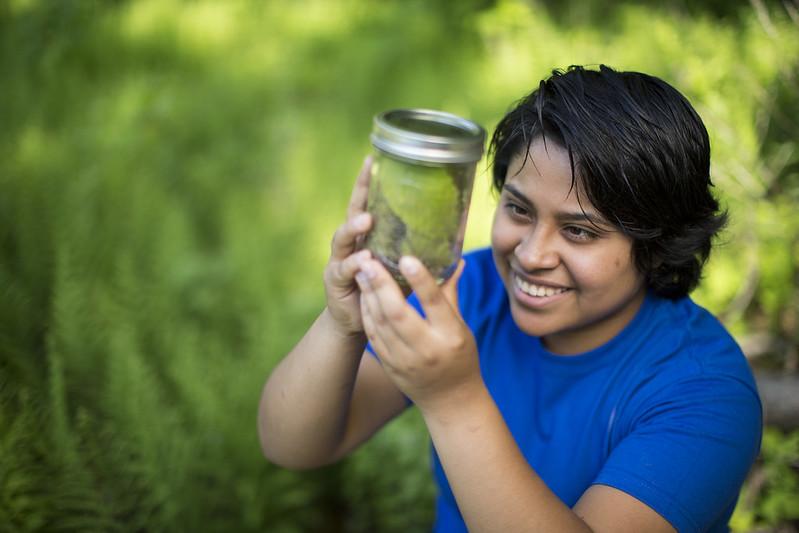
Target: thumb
450,287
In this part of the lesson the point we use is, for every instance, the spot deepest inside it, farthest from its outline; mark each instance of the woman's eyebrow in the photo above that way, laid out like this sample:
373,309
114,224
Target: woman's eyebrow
591,218
516,193
578,216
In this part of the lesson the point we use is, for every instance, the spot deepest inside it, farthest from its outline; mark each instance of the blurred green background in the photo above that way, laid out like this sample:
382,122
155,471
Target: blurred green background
171,173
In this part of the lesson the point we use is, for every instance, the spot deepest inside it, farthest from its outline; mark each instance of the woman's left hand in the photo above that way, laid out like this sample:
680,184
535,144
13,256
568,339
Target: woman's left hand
432,360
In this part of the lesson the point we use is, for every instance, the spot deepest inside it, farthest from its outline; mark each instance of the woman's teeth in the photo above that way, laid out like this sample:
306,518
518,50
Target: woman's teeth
536,290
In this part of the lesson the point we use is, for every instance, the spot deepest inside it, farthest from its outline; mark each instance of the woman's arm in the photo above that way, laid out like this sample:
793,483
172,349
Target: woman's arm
497,490
324,399
434,361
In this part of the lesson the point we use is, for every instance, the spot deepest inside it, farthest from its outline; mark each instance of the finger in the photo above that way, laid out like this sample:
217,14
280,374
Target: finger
436,305
345,273
370,329
450,286
388,305
382,327
360,191
346,236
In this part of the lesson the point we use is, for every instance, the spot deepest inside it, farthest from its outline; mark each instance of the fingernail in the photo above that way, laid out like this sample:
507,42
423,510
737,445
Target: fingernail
361,279
361,221
409,265
367,271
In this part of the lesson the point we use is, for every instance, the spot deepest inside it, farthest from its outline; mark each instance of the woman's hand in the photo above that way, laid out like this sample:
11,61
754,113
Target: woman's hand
343,296
433,360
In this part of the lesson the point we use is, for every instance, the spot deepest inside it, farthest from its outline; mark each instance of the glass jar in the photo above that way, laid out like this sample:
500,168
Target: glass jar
421,186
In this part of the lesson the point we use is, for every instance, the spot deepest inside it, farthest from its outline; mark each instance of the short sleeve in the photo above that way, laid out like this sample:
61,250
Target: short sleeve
689,450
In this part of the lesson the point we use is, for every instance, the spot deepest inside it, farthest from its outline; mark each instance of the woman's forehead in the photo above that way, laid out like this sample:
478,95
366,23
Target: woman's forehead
546,165
545,175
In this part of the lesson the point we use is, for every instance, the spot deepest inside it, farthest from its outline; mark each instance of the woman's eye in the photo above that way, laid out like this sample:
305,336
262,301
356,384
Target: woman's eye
580,234
516,210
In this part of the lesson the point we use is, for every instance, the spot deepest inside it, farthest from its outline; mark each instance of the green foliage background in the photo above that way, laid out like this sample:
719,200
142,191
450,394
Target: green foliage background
171,173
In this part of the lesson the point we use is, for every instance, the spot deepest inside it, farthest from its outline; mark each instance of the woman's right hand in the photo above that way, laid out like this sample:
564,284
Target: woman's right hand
343,295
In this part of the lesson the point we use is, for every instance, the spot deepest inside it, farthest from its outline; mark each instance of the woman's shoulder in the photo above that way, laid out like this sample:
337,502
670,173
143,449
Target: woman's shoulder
701,334
481,292
479,259
693,347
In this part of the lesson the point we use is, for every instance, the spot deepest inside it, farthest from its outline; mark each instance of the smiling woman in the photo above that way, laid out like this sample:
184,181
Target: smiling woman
566,379
570,275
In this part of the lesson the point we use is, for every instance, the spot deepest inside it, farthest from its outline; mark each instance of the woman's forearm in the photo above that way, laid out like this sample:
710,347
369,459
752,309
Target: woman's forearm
304,406
494,486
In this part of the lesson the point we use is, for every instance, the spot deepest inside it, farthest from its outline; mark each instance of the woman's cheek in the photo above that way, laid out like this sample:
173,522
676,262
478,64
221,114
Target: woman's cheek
505,235
591,270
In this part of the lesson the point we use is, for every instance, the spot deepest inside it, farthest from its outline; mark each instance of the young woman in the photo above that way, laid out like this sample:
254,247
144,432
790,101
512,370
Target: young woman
567,380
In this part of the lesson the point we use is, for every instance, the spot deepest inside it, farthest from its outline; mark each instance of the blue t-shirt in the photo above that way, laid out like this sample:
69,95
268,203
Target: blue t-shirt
667,411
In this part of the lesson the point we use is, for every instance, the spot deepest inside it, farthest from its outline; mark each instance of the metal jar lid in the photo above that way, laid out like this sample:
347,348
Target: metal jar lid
428,136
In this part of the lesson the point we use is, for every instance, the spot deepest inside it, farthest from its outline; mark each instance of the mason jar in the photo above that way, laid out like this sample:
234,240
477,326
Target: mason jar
421,186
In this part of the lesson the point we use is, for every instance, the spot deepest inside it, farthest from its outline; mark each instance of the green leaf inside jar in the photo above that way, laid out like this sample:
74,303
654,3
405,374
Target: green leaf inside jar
417,211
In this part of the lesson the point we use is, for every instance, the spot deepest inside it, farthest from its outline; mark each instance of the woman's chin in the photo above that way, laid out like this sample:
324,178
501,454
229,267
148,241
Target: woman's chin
529,322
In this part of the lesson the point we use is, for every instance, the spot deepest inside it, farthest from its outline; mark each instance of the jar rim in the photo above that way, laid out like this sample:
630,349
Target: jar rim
428,135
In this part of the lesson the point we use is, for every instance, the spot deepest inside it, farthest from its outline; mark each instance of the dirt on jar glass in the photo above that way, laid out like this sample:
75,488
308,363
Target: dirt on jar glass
419,210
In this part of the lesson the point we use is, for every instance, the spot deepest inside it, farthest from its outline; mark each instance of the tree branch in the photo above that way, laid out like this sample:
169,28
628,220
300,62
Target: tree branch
779,393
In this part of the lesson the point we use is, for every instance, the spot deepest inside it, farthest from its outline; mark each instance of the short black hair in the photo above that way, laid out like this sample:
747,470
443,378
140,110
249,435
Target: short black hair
642,155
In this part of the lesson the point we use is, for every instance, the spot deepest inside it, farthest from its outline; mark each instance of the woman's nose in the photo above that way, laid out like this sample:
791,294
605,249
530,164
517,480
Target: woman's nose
537,251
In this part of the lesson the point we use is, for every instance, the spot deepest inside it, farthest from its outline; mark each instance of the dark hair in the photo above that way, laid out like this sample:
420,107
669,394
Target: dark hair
642,155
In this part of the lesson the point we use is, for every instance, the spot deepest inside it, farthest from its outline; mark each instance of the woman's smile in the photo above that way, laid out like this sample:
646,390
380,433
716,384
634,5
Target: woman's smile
535,294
